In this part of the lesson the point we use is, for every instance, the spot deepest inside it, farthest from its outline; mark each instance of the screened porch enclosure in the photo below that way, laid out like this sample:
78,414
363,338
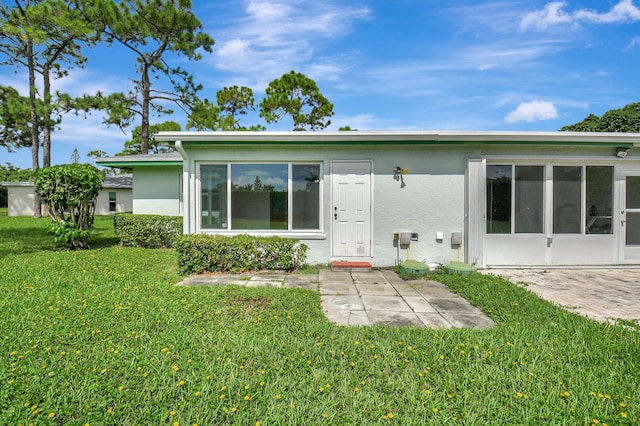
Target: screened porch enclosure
549,214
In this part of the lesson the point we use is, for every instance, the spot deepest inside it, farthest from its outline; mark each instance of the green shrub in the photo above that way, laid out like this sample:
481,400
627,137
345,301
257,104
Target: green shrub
70,191
147,230
65,231
198,253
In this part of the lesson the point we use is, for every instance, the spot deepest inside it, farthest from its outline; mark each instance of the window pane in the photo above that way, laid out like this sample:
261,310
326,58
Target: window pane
306,196
213,182
633,192
498,199
633,229
599,202
567,196
259,196
529,199
112,201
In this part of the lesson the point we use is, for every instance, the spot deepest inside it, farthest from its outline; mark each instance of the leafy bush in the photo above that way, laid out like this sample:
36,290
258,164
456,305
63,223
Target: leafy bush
65,231
70,192
198,253
147,230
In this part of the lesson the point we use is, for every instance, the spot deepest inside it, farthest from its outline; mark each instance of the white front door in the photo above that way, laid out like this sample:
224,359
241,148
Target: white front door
351,209
630,218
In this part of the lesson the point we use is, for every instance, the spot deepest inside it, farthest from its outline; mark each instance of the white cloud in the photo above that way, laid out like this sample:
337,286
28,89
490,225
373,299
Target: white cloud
274,37
554,14
532,111
635,42
624,11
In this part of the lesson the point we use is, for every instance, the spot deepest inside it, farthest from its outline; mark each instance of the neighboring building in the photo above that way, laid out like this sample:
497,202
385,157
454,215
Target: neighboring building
488,198
115,196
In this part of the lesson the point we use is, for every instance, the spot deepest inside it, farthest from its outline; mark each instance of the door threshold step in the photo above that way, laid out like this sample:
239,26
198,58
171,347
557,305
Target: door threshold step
339,266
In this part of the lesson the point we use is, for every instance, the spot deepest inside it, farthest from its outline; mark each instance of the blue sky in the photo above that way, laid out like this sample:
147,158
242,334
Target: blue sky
394,64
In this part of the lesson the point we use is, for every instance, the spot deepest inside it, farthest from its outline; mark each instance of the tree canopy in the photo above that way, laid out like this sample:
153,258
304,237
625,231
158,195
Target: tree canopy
151,29
134,146
623,120
15,129
298,96
232,103
46,38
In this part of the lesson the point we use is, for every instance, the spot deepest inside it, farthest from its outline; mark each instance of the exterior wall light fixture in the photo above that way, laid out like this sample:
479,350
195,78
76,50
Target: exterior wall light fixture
622,151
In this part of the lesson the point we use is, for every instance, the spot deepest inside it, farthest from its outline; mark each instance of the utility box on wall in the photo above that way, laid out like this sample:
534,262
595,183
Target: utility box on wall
456,238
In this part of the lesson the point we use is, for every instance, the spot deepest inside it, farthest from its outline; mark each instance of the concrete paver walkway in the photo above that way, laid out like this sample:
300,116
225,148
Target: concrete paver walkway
600,294
369,298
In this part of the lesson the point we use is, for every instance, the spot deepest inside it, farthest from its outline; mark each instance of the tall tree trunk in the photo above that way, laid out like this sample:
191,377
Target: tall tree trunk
146,95
46,125
35,128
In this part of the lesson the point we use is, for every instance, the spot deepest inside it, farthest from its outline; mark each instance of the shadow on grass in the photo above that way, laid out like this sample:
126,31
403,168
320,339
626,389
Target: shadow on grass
22,235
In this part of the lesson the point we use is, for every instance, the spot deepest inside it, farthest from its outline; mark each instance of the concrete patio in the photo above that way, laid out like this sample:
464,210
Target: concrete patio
377,297
603,294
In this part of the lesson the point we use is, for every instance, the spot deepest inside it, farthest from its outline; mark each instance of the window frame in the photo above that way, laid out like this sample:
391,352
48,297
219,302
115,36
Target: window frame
548,192
113,203
289,232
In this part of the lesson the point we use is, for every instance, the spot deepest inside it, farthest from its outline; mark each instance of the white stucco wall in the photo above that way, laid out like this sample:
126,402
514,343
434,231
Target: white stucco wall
20,200
124,201
431,200
156,190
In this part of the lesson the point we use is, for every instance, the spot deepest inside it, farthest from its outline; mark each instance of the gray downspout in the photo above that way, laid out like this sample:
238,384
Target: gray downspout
186,189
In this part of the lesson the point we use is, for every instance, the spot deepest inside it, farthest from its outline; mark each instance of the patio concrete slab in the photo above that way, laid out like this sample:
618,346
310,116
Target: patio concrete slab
385,303
376,289
394,318
604,294
356,298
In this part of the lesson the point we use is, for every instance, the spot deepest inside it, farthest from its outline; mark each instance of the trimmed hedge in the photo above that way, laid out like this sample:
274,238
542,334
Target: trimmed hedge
147,230
198,253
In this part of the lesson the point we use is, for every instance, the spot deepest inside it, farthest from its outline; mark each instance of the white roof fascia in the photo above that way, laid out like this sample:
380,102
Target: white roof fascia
404,136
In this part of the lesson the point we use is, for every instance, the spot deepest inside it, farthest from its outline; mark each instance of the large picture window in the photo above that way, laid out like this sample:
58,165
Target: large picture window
263,196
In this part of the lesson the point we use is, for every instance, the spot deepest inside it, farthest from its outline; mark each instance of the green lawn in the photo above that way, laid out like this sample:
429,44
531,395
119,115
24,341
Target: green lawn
105,337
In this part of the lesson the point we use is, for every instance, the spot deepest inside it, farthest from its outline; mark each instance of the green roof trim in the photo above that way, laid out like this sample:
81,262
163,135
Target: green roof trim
125,163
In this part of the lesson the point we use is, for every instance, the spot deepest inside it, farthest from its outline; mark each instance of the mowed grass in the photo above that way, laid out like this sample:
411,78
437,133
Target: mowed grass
105,336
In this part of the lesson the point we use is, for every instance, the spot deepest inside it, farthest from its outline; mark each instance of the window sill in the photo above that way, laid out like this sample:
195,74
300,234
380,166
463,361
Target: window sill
293,234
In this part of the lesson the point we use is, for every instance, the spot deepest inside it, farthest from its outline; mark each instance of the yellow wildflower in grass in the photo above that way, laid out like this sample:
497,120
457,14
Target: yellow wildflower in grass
52,415
234,409
624,415
246,397
180,383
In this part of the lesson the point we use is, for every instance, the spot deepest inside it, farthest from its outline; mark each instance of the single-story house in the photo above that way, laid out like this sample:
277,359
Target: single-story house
487,198
115,196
